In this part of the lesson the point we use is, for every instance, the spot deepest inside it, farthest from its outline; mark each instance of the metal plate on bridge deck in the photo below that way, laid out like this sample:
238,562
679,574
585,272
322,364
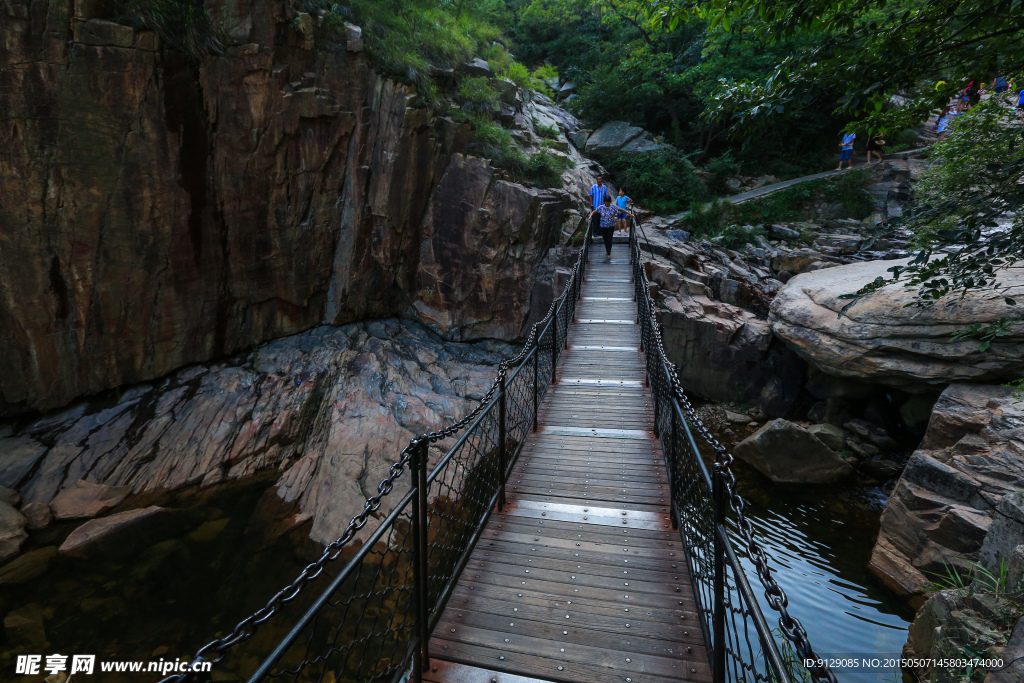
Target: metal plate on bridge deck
602,382
605,321
441,671
581,578
635,519
596,431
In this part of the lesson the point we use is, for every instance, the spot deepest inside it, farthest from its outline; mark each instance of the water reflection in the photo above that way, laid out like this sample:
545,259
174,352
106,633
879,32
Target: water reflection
819,540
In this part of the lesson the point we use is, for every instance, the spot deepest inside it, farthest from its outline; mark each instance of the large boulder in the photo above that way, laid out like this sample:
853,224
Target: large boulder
27,566
12,531
787,453
122,533
880,340
87,499
611,137
941,509
725,353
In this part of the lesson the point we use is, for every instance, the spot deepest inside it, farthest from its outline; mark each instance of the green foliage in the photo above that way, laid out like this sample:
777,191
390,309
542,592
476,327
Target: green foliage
545,168
540,78
967,218
409,39
1018,386
991,134
973,579
788,205
793,203
869,50
851,191
493,142
548,132
630,65
706,218
791,659
721,169
477,95
664,180
504,65
183,25
738,236
906,139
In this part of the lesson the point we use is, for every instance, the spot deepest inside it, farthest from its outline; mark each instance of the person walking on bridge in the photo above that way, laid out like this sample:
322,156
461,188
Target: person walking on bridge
606,215
598,192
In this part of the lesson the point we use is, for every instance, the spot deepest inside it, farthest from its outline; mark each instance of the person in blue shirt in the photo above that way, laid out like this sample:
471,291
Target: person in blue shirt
846,150
1020,101
598,192
1000,85
624,203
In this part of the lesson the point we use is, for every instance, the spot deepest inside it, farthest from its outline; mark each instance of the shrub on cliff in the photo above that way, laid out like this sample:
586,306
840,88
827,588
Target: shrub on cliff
183,25
477,95
410,39
493,142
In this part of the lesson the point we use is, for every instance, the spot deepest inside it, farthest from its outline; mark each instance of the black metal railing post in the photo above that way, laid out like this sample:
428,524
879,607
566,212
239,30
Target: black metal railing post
718,615
536,374
502,456
554,345
673,465
418,467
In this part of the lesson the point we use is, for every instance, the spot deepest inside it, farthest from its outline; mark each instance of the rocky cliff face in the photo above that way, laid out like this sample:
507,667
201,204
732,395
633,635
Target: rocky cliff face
159,213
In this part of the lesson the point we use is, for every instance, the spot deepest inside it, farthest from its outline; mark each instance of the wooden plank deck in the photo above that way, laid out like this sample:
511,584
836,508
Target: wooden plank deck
581,579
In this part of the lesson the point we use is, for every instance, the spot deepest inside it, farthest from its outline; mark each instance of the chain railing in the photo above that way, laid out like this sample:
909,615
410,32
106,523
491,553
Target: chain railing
741,646
372,617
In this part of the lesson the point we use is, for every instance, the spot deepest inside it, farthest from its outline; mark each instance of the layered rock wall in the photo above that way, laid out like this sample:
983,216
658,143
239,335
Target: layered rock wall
940,512
159,212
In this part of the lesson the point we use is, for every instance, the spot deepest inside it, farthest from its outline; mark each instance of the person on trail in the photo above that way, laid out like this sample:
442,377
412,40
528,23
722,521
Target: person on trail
846,150
1000,85
942,123
875,143
1020,102
624,203
963,100
598,191
973,94
606,215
